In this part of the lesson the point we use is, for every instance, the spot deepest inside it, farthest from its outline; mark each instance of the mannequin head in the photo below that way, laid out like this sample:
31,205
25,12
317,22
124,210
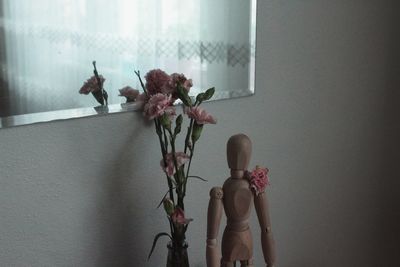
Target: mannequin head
238,151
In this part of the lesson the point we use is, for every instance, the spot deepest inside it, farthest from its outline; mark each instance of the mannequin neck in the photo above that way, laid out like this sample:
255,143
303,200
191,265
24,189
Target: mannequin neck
237,174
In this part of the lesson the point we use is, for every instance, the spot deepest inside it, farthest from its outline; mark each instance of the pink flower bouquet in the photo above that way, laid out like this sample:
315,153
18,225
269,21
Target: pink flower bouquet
160,92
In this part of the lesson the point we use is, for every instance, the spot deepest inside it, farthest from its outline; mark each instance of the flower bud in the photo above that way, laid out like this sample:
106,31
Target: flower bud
200,97
209,93
183,95
178,123
179,120
169,206
197,128
165,121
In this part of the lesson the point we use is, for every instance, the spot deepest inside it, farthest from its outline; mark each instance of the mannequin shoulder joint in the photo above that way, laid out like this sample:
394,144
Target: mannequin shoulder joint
216,192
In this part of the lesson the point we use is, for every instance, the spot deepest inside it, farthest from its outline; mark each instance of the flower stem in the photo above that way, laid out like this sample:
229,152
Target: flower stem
101,88
141,81
189,132
164,153
187,140
165,139
188,169
173,150
178,173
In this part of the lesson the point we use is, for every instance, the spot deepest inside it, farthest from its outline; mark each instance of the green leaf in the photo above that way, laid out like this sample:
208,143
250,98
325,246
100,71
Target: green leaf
209,93
162,200
155,242
198,177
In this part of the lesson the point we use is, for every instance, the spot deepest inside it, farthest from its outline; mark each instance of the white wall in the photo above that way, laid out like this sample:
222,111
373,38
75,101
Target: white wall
324,119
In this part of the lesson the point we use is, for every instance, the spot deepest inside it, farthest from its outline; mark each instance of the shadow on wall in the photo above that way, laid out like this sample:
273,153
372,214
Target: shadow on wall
117,207
391,176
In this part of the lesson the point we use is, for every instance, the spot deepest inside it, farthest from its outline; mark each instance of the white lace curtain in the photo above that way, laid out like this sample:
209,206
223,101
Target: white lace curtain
48,46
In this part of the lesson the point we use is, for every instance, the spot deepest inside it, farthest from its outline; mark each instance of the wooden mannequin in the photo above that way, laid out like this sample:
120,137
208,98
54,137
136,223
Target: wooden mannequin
235,197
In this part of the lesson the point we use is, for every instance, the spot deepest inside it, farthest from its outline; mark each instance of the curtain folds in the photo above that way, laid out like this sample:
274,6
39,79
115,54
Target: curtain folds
48,46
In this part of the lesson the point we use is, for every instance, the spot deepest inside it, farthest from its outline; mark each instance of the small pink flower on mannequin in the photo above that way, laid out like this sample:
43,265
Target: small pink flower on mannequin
258,179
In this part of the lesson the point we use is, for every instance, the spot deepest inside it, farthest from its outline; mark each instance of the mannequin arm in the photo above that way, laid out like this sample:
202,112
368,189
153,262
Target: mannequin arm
267,240
213,221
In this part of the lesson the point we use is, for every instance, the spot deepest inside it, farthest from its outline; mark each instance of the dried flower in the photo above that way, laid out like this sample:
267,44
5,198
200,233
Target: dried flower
130,93
200,115
157,105
178,217
169,168
258,179
91,85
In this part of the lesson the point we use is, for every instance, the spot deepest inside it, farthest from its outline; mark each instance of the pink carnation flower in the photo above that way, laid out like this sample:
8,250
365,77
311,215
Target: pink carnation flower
200,115
157,82
178,217
129,93
258,179
181,158
180,78
142,99
157,105
90,85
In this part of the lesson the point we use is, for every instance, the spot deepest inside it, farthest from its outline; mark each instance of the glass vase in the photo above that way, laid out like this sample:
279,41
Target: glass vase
177,254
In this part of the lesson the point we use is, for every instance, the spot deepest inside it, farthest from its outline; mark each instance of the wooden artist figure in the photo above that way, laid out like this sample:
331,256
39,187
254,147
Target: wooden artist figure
236,197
